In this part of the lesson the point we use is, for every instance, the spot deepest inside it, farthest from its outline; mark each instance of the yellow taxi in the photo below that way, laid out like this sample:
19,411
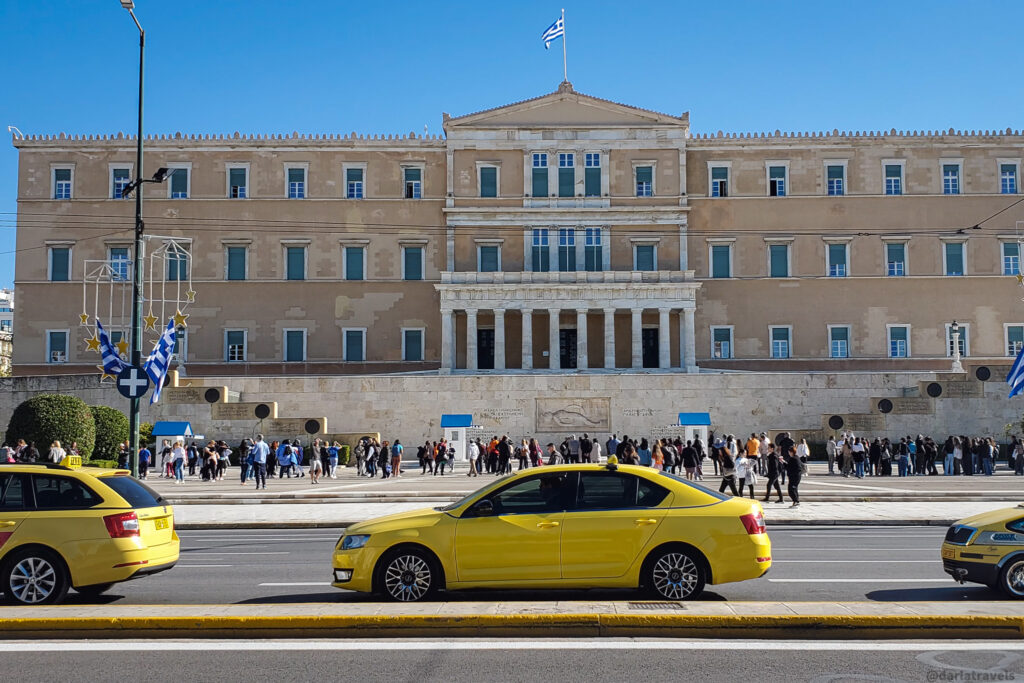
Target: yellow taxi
65,526
562,526
988,549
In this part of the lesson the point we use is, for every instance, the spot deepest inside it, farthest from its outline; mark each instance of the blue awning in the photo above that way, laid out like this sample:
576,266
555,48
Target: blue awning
172,429
695,419
456,421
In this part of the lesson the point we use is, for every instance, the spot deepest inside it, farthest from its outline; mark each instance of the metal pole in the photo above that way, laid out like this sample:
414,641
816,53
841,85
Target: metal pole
133,412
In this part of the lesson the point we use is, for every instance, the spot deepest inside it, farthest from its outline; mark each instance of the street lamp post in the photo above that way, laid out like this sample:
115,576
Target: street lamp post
955,329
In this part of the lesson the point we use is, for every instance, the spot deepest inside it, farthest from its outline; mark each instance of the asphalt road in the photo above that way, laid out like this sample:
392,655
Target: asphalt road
810,564
472,661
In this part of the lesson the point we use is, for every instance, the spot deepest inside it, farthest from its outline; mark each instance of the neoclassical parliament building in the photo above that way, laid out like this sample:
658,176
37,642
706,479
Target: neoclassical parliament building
564,233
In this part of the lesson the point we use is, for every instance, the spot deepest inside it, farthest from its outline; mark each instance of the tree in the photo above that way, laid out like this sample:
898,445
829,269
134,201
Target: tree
111,432
47,418
145,434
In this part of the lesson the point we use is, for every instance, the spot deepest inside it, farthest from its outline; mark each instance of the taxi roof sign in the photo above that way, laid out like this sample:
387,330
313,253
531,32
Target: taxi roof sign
72,461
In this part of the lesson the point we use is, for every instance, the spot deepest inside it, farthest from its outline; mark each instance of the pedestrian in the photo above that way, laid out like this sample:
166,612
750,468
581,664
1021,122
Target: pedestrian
316,467
6,453
396,458
223,459
859,457
586,448
830,451
795,469
284,460
193,458
552,454
178,456
261,453
57,453
384,459
144,458
728,467
595,453
987,448
298,457
611,446
1018,458
332,460
505,455
774,466
523,453
785,446
440,457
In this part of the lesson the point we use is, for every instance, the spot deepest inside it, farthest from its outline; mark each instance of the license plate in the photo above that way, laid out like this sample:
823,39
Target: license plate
161,523
947,553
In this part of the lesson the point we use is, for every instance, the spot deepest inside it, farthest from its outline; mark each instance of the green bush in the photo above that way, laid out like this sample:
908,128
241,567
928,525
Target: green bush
106,464
343,455
146,434
111,432
47,418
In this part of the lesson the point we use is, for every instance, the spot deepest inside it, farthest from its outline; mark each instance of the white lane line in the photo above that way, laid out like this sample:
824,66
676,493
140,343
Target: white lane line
298,583
200,566
853,561
460,644
880,579
861,487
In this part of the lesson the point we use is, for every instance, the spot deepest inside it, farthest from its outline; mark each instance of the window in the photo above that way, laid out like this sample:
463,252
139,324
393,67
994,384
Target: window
412,263
295,263
778,260
119,178
606,490
1008,178
354,183
566,250
776,181
6,325
62,493
780,342
899,341
413,182
60,264
951,178
592,174
894,179
296,183
1011,258
118,257
488,181
721,260
57,346
137,494
963,341
837,255
237,182
593,250
236,263
62,183
836,180
719,181
544,493
295,346
895,259
12,492
540,175
838,341
355,257
645,257
489,258
566,174
644,181
541,255
234,344
412,345
1014,339
177,267
953,258
721,342
354,343
178,186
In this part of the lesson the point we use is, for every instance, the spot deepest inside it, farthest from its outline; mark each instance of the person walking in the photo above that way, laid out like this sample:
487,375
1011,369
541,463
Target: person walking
261,453
728,465
795,468
523,454
57,453
396,458
586,448
774,467
332,460
178,456
316,466
144,458
830,451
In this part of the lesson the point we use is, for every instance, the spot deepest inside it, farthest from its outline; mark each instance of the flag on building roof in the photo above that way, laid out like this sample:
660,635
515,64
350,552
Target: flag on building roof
1016,376
556,30
159,362
112,363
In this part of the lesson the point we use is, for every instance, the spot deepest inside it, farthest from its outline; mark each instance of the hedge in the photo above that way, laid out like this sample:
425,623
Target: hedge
343,455
106,464
111,432
146,434
47,418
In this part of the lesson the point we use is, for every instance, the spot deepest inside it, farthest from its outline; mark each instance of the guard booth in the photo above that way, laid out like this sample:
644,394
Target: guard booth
174,431
454,428
695,425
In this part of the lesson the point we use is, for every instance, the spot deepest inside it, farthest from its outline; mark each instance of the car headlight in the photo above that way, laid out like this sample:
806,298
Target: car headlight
353,542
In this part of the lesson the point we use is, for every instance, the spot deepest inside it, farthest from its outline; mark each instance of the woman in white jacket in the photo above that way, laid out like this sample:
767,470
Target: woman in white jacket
56,452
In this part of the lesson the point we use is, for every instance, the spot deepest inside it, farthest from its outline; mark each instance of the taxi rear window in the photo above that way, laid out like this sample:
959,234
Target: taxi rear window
694,485
134,491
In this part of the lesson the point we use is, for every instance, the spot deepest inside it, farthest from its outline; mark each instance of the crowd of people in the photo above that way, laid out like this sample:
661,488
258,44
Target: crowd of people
958,455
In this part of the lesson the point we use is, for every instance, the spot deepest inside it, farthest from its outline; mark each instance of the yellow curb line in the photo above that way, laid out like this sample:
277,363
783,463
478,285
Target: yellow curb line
650,625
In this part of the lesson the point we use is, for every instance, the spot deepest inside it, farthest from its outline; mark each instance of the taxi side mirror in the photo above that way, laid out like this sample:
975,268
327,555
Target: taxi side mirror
484,508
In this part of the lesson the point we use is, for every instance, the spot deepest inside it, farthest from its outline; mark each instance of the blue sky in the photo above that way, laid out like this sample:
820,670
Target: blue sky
271,66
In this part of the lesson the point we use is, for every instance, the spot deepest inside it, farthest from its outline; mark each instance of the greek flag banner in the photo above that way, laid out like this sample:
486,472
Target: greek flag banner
159,361
112,363
1016,377
556,30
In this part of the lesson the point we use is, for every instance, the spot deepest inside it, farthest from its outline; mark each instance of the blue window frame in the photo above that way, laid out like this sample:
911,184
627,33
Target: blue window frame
541,251
1008,178
296,183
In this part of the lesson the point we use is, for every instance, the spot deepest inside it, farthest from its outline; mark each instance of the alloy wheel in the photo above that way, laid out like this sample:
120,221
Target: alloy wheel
408,578
676,576
1014,581
32,580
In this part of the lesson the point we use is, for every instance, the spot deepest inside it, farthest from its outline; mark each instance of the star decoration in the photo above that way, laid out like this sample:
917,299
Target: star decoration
179,319
1020,279
105,374
190,296
150,321
122,347
92,343
84,317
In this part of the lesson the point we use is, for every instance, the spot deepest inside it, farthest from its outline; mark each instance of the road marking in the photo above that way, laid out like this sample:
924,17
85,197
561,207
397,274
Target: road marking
861,487
880,579
198,566
297,583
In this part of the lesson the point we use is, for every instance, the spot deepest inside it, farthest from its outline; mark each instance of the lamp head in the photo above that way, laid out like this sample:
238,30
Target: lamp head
128,4
955,327
162,174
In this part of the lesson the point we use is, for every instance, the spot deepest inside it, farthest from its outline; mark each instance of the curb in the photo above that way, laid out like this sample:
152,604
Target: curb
531,625
342,524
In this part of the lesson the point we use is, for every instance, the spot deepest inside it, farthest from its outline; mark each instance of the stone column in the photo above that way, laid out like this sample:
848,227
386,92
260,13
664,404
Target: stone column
581,339
471,362
447,348
499,339
527,339
609,337
554,358
637,342
664,359
689,342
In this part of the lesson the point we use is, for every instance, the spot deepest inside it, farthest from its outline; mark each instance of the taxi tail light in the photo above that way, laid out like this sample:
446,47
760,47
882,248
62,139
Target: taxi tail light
122,525
753,523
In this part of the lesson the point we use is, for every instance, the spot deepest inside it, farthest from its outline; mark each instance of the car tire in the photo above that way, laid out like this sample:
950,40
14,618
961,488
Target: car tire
34,576
675,574
1011,579
95,590
408,575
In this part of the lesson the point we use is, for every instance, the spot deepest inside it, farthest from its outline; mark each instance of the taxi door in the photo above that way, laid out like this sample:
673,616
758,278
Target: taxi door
519,537
615,516
13,510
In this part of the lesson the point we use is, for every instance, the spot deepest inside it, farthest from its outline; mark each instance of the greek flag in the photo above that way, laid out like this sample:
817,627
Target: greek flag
112,363
556,30
1016,377
159,361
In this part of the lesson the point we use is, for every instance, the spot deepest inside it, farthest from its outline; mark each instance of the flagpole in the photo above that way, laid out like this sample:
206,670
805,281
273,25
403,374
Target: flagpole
565,68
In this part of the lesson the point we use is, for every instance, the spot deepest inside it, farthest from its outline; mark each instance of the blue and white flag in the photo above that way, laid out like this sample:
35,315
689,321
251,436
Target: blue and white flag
159,361
556,30
1016,377
112,363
